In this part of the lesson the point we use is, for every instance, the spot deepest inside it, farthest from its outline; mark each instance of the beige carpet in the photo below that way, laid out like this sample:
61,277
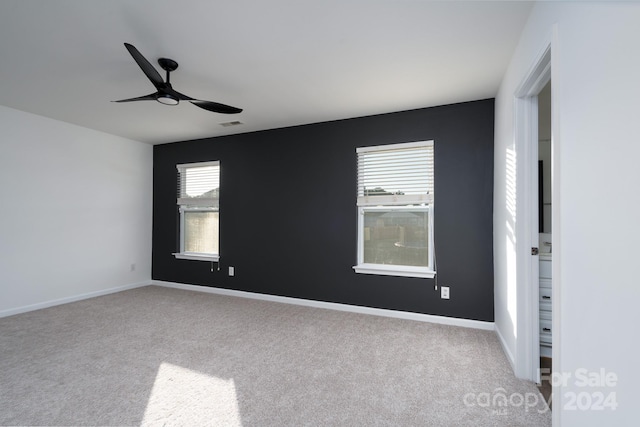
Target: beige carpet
160,356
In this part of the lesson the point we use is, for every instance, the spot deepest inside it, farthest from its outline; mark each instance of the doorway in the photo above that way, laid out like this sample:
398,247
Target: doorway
545,233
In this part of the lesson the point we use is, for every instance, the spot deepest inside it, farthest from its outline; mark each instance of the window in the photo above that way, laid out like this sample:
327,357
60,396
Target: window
198,203
395,210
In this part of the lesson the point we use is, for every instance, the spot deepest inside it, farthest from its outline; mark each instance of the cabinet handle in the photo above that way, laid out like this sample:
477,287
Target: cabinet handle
546,329
546,297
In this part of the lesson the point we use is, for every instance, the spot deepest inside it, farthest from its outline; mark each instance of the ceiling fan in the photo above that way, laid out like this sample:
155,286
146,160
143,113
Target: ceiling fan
165,93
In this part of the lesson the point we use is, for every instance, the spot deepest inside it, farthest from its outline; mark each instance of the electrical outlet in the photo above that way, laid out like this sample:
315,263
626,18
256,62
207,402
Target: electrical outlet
133,267
444,292
231,271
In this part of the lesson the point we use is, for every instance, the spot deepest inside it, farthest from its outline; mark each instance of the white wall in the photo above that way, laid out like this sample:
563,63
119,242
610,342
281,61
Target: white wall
76,212
596,89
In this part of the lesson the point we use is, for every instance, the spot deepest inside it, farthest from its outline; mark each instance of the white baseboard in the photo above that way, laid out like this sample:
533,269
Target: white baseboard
465,323
51,303
505,349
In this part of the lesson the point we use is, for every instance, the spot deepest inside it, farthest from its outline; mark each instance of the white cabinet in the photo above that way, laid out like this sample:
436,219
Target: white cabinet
545,302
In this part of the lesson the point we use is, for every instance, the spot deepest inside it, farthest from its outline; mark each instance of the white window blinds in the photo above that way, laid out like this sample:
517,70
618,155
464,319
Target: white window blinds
199,184
396,174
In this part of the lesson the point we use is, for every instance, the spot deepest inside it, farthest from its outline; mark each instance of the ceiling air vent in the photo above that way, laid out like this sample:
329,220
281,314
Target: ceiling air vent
233,123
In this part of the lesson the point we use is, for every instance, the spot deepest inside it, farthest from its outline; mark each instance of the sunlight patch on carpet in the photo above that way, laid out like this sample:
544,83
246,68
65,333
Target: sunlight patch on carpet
181,396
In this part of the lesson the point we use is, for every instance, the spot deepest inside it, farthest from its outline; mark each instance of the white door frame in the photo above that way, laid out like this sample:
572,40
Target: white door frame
527,351
526,134
526,113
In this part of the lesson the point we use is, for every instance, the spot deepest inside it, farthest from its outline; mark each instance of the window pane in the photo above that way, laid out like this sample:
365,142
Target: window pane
396,237
201,232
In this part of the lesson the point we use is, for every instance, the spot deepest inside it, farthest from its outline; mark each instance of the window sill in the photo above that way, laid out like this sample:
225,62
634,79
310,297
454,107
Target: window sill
197,257
394,270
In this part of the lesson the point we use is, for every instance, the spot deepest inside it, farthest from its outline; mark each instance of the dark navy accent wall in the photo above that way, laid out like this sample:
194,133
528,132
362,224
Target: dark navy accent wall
288,211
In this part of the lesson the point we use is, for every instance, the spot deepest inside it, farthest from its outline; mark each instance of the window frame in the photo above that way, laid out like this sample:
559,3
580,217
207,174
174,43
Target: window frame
184,207
394,203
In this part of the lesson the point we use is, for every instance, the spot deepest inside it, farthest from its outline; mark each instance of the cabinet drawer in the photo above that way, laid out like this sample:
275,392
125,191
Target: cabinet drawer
545,327
545,269
545,338
545,283
545,295
545,315
545,307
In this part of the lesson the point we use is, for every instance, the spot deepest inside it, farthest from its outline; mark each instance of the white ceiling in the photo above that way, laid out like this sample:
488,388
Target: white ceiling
285,62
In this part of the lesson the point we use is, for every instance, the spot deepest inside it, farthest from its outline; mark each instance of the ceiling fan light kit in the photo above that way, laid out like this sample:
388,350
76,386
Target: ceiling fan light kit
166,99
165,93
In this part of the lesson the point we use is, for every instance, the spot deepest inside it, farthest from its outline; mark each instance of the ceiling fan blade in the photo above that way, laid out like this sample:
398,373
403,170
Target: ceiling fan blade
215,107
148,69
150,97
